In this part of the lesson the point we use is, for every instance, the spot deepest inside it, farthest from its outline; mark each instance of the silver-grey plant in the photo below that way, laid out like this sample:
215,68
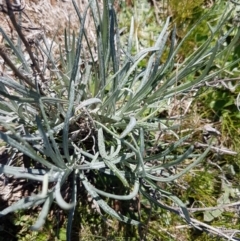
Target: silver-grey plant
98,118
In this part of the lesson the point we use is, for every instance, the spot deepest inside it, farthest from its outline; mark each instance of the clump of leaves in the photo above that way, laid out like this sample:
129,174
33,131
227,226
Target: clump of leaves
97,119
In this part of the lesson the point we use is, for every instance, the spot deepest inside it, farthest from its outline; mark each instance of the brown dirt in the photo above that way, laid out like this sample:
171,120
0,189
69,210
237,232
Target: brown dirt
48,16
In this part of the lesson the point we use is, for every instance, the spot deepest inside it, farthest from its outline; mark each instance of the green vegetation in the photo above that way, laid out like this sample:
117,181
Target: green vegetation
137,140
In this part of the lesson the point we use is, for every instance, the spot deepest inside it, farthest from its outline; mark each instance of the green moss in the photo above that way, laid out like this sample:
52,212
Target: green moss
201,188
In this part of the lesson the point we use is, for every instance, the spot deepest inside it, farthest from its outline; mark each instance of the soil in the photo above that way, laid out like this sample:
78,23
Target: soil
44,15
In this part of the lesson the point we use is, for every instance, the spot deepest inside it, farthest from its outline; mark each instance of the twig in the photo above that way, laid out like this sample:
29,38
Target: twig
215,82
214,208
212,229
222,150
200,225
16,7
14,69
28,47
156,11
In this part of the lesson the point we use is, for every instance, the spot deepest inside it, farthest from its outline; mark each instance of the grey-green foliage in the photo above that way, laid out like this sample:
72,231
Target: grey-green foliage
115,101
